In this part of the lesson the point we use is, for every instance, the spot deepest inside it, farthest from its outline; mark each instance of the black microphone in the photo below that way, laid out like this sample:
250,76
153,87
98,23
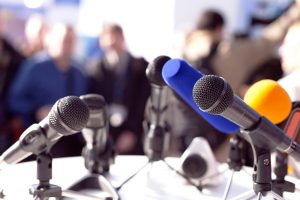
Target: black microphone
156,141
98,152
214,95
67,116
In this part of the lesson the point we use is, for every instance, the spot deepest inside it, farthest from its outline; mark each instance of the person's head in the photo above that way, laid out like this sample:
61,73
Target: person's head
61,41
112,38
210,20
35,32
290,49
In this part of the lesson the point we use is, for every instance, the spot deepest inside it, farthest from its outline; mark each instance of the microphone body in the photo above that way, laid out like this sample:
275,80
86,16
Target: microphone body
156,143
98,152
214,95
68,116
159,100
181,77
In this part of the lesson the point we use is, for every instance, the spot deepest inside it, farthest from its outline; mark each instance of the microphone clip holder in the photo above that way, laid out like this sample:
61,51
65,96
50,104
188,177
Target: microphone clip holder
236,159
157,142
98,162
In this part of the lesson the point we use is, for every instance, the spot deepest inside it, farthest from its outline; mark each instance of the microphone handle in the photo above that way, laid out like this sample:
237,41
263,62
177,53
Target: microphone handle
159,100
268,136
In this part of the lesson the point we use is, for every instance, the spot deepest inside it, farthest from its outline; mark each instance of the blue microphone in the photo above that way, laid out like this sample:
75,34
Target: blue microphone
181,77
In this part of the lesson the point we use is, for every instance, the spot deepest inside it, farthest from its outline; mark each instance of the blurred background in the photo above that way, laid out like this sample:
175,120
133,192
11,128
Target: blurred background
144,21
37,57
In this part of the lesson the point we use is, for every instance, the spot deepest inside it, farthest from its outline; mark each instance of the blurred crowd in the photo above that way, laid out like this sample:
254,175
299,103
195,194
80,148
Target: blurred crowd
43,69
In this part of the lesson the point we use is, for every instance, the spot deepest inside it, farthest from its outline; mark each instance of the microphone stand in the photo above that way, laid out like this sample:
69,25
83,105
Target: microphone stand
98,165
156,146
262,172
236,159
44,190
158,143
280,185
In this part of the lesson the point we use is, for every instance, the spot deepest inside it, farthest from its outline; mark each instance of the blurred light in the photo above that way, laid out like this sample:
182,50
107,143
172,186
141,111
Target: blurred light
33,3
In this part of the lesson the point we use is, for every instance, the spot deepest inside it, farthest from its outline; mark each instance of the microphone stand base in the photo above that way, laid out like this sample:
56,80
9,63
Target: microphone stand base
97,183
43,193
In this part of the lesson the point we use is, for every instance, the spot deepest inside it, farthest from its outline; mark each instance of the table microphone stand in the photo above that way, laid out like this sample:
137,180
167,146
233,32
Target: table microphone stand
156,146
44,190
262,172
98,165
236,159
280,185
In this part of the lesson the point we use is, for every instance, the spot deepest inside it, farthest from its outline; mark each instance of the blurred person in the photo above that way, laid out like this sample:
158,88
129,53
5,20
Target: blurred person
10,61
290,59
43,79
120,78
234,59
35,32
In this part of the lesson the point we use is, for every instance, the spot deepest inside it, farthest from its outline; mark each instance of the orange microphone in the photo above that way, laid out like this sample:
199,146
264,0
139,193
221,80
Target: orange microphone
269,99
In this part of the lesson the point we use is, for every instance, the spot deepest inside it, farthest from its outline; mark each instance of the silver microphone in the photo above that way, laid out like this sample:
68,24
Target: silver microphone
156,141
98,152
67,116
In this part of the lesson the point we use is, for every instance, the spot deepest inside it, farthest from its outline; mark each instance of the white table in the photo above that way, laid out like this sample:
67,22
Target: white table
153,182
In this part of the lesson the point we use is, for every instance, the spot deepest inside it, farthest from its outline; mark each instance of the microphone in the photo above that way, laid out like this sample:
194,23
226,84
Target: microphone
159,102
266,96
98,152
269,99
67,116
199,164
157,140
214,95
181,77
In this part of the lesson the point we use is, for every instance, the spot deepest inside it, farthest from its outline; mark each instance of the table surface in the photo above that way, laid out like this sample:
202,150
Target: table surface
154,181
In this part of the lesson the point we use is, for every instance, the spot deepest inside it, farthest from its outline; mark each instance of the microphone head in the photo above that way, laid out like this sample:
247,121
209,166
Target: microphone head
154,70
97,107
212,94
68,115
269,99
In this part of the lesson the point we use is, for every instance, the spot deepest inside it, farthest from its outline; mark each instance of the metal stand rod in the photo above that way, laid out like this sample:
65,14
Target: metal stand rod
131,177
259,196
228,185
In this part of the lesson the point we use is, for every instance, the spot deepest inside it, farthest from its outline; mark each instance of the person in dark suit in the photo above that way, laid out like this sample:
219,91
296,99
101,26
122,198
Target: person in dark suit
10,61
43,79
120,78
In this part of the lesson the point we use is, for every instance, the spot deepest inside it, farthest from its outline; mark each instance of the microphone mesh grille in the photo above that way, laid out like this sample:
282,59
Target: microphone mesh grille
208,94
70,111
95,102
